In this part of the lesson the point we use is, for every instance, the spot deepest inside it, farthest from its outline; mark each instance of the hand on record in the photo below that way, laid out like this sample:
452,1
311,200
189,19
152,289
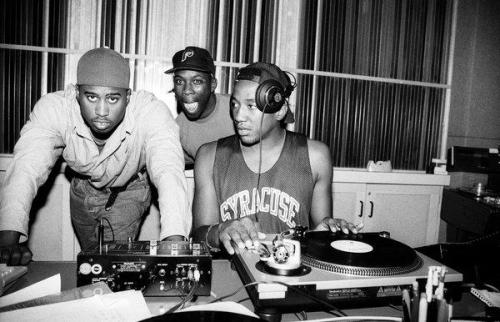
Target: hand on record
337,224
11,252
239,234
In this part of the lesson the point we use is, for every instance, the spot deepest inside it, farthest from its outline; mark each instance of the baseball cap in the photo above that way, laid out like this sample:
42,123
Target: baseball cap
192,58
103,67
259,72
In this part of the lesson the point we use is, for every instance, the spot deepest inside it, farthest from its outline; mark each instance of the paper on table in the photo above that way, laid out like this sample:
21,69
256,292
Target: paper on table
121,306
226,306
48,286
83,291
492,299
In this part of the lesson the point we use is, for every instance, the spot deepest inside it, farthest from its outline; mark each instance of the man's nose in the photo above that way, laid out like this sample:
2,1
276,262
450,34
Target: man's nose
102,108
238,114
188,88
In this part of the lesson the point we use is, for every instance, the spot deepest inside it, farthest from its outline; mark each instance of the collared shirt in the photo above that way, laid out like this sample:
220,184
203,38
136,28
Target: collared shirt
147,136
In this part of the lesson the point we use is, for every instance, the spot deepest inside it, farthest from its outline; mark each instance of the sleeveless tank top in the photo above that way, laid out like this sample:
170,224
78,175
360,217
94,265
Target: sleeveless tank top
283,198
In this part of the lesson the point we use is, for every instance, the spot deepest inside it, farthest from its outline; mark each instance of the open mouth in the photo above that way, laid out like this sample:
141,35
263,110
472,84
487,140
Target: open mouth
191,107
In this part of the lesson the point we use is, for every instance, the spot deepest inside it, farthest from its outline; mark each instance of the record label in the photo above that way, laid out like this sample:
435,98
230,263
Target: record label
351,246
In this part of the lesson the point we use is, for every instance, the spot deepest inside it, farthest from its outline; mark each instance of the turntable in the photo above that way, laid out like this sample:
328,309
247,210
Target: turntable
346,271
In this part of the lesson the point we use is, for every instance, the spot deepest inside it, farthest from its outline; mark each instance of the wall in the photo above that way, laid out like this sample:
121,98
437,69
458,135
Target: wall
475,101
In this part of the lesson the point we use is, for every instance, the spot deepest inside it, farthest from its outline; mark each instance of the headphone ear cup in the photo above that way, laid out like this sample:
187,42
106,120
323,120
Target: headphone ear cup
270,96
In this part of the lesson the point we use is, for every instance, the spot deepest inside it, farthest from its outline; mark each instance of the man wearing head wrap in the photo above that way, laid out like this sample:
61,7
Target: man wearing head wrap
116,141
204,115
264,179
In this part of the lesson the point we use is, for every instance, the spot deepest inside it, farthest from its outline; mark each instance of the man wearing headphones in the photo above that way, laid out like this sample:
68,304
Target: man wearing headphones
265,178
204,116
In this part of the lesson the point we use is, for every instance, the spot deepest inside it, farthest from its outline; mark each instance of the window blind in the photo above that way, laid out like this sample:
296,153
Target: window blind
372,74
374,119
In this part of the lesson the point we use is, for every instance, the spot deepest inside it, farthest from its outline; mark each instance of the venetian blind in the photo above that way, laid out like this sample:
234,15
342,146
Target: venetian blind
372,74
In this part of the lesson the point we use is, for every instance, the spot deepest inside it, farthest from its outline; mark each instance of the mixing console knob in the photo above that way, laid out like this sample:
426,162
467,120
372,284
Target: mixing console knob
85,268
96,269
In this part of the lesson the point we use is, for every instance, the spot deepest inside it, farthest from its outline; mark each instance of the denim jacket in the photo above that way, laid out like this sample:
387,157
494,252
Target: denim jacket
147,136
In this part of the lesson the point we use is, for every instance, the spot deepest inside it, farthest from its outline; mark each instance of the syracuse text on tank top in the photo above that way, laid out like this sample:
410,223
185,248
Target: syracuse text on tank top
283,198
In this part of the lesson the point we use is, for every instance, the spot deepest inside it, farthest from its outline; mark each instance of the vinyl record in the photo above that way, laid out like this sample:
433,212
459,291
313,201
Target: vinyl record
204,316
363,254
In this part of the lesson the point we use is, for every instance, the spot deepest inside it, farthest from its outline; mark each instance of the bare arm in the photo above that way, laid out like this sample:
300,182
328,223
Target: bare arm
321,166
321,207
232,234
205,208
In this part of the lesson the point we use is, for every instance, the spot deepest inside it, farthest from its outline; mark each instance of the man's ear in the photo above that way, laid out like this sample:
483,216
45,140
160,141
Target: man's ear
77,93
129,92
281,113
213,83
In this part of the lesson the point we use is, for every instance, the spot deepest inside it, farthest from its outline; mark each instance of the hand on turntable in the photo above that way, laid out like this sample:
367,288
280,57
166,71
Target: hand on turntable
239,234
337,224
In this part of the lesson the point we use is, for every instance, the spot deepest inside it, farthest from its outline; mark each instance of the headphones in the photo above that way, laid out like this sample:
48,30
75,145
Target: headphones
270,95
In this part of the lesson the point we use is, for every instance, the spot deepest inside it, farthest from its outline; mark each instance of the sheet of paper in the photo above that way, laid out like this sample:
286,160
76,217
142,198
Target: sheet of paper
492,299
121,306
48,286
83,291
225,306
131,304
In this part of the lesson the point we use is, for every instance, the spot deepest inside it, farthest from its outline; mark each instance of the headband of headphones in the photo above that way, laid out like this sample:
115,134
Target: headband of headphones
274,85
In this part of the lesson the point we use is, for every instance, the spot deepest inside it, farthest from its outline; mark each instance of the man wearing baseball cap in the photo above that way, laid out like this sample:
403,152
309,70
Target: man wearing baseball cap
204,115
116,141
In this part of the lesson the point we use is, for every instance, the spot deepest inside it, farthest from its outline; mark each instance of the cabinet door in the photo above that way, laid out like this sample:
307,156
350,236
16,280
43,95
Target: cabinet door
410,213
349,201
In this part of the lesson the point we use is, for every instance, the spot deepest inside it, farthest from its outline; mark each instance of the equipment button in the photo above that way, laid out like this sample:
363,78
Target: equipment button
96,269
85,268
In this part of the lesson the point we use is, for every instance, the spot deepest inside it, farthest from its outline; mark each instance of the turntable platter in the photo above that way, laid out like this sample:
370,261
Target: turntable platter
363,254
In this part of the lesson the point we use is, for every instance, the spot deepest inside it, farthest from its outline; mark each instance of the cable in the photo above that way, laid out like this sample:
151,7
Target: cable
100,232
392,306
233,293
243,300
291,287
188,297
260,155
110,227
474,241
362,318
302,316
260,159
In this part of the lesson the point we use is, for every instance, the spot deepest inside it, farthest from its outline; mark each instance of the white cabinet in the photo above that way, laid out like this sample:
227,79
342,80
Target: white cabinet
410,213
406,204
